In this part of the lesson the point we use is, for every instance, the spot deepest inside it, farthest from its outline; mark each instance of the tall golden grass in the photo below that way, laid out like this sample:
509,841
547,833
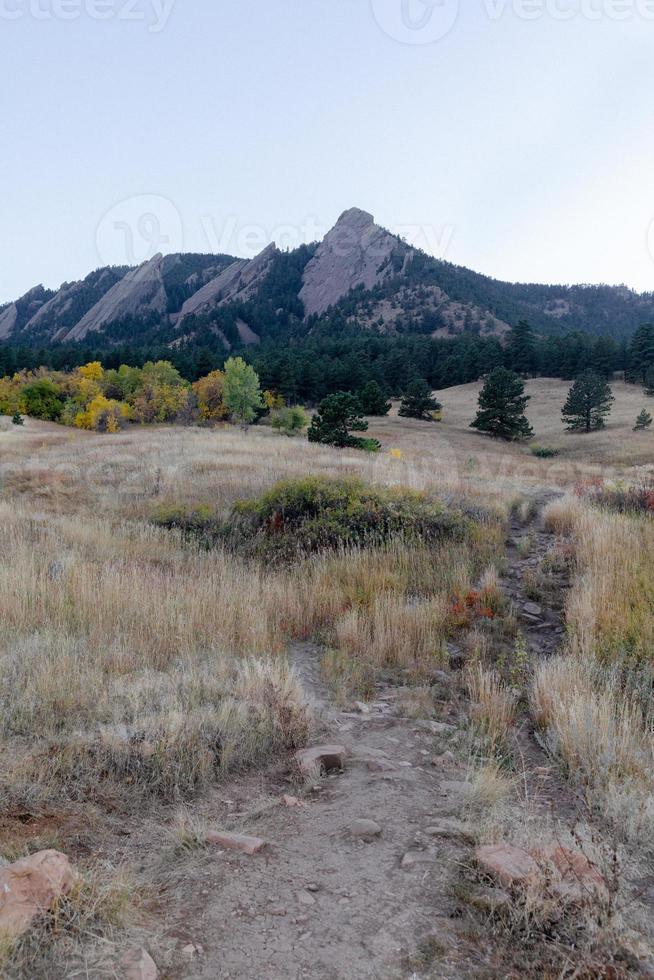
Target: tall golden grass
594,703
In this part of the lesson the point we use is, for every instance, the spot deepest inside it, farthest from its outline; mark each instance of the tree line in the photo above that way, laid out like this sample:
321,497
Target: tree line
306,369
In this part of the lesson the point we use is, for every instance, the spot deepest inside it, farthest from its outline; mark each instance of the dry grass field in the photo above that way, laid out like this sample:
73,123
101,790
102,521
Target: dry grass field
146,679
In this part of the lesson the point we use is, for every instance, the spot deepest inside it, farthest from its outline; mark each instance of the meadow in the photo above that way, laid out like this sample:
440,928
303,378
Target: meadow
143,667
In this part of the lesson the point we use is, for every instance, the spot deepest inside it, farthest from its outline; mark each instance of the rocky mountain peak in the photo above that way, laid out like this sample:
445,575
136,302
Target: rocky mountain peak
356,252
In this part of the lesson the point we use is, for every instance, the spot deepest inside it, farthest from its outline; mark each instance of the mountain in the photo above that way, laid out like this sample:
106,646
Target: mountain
15,316
360,276
356,253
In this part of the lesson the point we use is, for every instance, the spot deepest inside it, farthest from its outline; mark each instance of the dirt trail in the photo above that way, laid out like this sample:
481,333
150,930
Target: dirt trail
323,904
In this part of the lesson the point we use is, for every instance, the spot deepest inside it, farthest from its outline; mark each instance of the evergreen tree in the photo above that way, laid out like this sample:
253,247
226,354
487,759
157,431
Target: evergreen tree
502,403
643,421
641,352
336,416
649,382
17,418
418,401
521,350
589,402
373,400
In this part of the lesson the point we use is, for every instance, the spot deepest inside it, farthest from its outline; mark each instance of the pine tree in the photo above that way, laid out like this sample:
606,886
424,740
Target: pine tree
336,415
641,352
418,401
649,382
589,402
17,418
643,421
373,400
502,403
522,349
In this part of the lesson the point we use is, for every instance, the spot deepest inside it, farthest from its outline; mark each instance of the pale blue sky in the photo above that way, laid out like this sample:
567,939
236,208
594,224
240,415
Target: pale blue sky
523,148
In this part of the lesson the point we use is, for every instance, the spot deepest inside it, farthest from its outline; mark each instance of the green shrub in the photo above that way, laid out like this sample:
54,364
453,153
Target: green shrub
301,517
298,518
544,452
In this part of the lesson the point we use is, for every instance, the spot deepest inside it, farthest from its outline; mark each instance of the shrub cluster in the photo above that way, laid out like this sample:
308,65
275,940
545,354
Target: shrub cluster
618,497
299,518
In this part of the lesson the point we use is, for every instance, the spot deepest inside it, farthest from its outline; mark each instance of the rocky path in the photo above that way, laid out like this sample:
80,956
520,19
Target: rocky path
535,589
359,878
356,881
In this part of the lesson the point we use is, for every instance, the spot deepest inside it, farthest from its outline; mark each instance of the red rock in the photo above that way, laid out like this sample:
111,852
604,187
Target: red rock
139,965
574,877
236,842
510,865
324,758
30,887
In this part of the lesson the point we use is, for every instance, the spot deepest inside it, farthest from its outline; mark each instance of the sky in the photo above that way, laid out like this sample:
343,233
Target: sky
515,137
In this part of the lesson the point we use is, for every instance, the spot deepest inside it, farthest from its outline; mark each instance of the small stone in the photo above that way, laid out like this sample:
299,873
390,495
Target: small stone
494,900
532,609
189,950
447,758
137,964
321,758
293,801
435,727
365,830
413,858
510,865
451,829
362,708
305,898
236,842
380,765
277,912
313,886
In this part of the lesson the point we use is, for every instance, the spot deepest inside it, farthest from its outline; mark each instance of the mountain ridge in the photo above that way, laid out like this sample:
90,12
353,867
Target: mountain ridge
359,273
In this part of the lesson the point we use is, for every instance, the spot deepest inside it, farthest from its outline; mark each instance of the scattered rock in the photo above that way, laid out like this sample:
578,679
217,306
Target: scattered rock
364,830
413,858
189,950
139,965
325,758
236,842
305,898
533,609
313,886
293,801
362,708
380,765
30,887
451,829
456,656
447,758
510,865
494,900
435,727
